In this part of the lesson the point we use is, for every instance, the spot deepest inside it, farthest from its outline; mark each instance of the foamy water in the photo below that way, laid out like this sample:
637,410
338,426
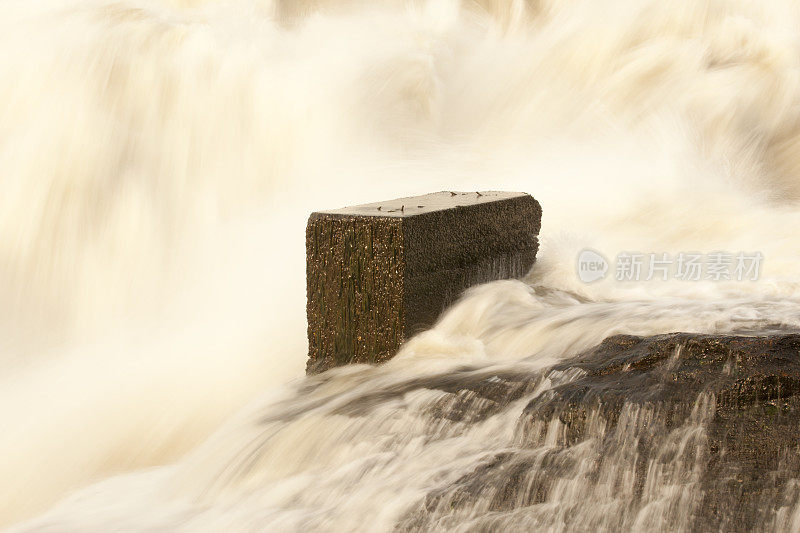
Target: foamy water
157,164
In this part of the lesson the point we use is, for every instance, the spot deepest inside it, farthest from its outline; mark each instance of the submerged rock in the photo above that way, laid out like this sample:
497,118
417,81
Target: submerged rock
680,431
752,430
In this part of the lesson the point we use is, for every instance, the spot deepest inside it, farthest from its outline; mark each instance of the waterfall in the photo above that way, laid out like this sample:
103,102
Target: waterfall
158,159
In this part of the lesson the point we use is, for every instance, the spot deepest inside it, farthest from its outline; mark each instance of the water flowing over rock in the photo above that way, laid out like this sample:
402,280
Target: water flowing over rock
159,158
676,432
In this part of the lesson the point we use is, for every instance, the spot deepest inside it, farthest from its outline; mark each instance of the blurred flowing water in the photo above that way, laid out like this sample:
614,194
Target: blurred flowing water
157,163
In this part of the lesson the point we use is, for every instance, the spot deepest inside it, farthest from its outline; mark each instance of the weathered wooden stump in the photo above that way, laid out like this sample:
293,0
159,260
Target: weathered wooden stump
379,273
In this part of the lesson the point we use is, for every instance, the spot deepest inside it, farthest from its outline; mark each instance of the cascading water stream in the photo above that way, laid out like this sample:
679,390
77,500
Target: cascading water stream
157,163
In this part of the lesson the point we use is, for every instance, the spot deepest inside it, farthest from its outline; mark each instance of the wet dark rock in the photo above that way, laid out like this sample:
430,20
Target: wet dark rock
379,273
753,435
715,419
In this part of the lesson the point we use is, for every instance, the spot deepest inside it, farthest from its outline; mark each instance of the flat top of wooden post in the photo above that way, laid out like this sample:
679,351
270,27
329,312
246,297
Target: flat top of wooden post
427,203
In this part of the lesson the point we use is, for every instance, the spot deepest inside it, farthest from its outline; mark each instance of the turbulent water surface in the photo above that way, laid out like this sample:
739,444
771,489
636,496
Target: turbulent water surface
157,163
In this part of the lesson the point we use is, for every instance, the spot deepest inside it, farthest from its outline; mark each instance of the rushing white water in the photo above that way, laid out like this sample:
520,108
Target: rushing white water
157,163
